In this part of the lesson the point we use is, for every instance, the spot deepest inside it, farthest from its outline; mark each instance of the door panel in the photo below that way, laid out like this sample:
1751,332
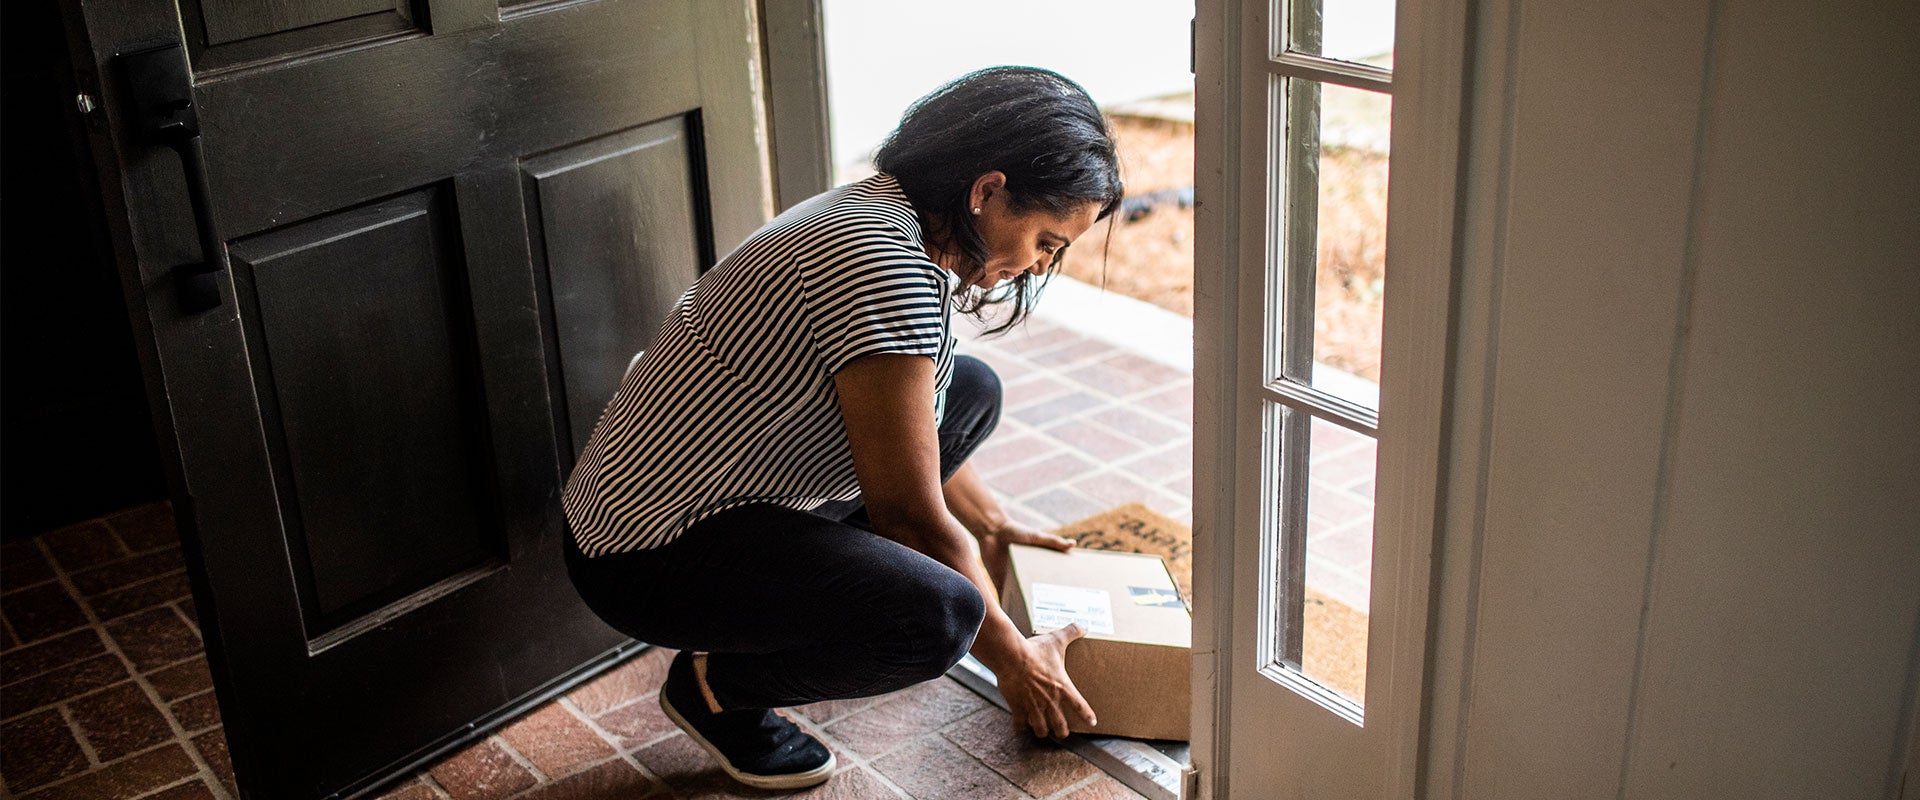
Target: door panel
230,33
367,438
228,21
612,285
386,491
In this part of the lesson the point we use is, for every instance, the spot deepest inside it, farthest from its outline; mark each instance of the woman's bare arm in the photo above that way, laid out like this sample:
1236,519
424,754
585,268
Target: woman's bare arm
887,403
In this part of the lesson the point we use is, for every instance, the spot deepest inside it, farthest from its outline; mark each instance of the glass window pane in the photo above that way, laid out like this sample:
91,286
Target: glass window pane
1350,30
1339,569
1329,281
1320,540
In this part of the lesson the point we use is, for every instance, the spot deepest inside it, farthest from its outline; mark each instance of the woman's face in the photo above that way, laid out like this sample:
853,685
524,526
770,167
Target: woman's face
1021,240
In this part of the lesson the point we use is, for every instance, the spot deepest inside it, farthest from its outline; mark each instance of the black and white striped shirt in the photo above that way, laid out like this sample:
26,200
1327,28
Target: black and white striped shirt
734,401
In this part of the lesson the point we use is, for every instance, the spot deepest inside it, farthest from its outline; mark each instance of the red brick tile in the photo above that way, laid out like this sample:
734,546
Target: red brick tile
1181,487
147,527
1068,355
40,748
1138,425
1029,517
932,768
180,680
42,611
482,772
1116,381
686,768
1103,787
192,790
1095,440
7,640
637,724
1161,465
1050,471
155,638
197,712
1338,505
88,544
52,687
127,571
615,778
22,565
1030,391
850,784
1061,407
1114,488
1349,544
556,741
1174,403
1328,437
632,680
1030,342
1148,369
1003,452
828,711
188,610
1038,766
130,777
213,749
1343,469
412,789
50,654
904,715
145,594
120,720
1063,506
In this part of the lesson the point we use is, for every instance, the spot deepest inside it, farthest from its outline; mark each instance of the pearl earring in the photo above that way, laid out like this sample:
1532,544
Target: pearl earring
976,211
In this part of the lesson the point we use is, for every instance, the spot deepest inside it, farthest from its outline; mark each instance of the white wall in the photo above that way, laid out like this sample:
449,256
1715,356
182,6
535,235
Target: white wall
1680,550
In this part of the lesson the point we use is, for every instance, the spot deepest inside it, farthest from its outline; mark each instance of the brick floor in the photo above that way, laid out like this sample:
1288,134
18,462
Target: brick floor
105,693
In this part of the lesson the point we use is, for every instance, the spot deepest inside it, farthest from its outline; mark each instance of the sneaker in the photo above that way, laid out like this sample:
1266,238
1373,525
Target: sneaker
756,746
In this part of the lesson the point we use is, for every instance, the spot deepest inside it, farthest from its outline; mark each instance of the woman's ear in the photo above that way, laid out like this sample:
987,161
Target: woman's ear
986,187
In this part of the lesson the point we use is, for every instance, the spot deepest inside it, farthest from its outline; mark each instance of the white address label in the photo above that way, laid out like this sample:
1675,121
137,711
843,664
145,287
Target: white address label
1056,606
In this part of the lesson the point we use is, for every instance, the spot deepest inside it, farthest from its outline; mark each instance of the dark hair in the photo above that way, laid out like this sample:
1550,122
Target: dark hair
1036,126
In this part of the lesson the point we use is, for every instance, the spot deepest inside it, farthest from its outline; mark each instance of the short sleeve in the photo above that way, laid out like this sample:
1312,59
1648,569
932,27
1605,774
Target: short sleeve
872,295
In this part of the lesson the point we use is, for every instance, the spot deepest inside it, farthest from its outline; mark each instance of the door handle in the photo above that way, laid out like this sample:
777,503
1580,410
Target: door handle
161,87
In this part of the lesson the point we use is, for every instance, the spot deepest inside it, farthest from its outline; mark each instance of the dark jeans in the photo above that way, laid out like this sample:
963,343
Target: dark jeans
793,606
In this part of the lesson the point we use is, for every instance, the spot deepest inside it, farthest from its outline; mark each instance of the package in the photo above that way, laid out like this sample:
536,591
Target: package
1133,664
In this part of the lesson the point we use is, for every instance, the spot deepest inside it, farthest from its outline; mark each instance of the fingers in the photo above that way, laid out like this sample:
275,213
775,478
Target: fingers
1074,630
1081,711
1058,720
1034,537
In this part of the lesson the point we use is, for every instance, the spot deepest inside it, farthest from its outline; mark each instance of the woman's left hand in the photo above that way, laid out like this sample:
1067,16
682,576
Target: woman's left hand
993,547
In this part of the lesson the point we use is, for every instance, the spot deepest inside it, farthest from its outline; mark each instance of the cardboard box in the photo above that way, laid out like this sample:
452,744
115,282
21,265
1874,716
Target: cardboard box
1133,664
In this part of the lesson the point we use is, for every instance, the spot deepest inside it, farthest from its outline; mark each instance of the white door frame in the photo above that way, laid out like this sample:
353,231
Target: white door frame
1230,252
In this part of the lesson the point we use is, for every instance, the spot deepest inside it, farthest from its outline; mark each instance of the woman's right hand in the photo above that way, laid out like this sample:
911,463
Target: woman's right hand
1039,694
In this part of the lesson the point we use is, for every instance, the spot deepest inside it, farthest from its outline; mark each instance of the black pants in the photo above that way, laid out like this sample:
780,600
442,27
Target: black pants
795,607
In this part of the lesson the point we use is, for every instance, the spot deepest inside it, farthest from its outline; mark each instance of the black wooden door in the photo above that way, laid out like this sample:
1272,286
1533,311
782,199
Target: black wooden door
444,226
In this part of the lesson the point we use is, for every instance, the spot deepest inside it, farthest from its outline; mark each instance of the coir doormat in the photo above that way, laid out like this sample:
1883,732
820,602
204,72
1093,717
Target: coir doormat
1335,633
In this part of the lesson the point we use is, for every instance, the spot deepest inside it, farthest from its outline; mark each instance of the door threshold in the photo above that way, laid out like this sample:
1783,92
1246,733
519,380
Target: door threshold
1154,768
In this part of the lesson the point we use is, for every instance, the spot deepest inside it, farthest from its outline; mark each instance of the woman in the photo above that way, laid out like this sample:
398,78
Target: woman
780,487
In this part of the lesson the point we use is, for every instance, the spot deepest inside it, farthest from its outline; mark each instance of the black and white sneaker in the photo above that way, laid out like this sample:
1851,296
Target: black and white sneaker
757,746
